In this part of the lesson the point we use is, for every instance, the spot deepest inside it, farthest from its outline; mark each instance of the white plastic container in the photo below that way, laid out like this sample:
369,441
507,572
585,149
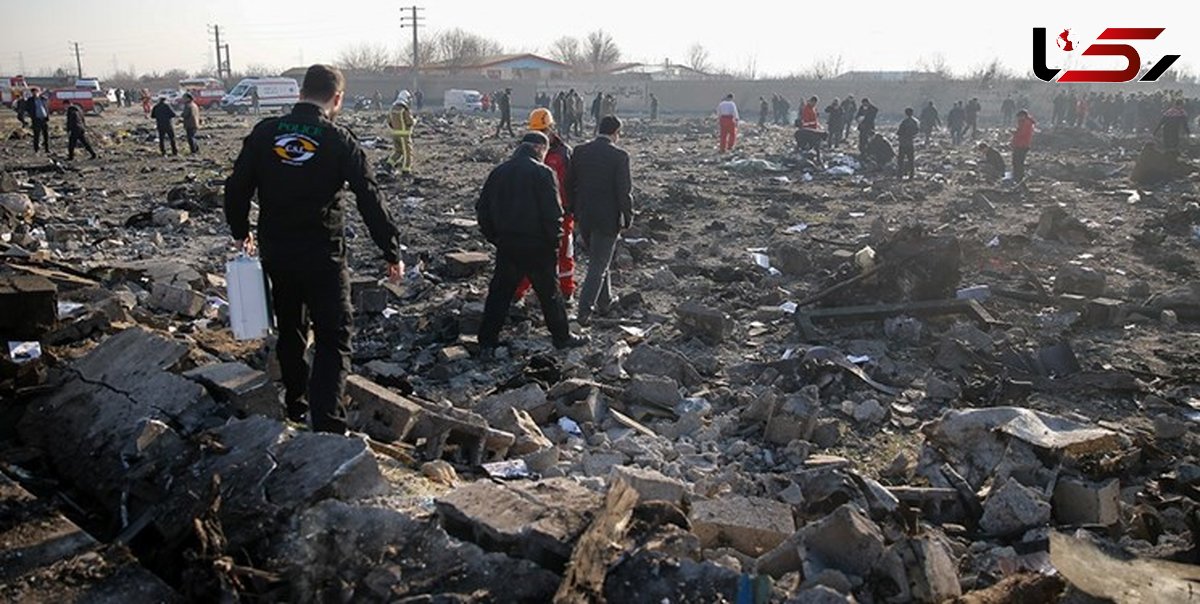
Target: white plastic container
247,291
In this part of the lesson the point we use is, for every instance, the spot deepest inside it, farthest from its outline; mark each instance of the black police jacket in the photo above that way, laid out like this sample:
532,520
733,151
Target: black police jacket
299,164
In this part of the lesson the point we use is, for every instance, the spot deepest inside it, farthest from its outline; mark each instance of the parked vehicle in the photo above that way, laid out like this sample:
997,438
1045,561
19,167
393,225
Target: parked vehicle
173,95
11,88
462,100
206,92
82,96
273,93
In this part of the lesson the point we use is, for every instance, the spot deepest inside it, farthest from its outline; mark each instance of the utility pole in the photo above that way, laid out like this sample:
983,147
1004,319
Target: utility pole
78,61
414,22
228,69
216,31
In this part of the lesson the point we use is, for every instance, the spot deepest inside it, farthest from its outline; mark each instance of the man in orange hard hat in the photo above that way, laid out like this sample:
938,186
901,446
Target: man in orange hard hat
558,158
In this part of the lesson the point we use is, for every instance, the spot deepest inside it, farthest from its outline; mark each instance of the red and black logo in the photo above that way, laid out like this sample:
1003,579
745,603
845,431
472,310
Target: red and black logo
1130,54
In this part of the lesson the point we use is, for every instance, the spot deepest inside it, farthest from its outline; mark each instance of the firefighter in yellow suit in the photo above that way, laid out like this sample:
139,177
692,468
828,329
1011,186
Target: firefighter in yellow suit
400,121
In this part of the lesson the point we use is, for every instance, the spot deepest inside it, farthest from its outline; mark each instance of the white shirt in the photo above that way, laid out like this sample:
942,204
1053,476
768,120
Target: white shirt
727,108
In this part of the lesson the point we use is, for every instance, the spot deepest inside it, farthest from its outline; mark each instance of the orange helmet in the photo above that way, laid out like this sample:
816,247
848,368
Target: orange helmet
541,119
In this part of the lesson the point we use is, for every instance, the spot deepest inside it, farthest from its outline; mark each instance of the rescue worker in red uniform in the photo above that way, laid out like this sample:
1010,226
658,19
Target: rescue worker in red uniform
558,157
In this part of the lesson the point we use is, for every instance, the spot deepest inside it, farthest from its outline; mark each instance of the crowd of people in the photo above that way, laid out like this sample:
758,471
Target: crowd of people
1164,114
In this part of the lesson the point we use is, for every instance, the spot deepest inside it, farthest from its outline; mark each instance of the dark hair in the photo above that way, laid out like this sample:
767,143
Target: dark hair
609,124
321,82
908,111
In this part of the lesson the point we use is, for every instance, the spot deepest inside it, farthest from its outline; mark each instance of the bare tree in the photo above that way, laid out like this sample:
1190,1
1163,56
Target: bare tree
567,50
990,74
824,69
256,70
698,58
935,64
365,57
460,48
429,51
600,51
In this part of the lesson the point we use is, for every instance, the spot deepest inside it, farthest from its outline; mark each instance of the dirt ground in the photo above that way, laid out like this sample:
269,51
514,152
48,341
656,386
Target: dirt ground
700,218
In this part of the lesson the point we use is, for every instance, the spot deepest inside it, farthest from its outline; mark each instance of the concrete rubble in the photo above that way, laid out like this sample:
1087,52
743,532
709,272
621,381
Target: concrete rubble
839,425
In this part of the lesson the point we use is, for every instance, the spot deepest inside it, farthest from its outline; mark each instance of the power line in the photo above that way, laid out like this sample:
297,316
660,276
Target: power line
413,21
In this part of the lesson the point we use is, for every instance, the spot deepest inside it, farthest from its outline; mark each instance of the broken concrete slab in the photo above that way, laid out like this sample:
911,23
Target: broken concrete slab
1080,280
28,307
1079,501
538,521
709,324
380,554
846,541
653,391
178,300
529,398
46,558
312,466
380,413
1012,508
795,417
368,295
751,525
529,437
465,264
932,571
1119,577
648,359
651,485
245,390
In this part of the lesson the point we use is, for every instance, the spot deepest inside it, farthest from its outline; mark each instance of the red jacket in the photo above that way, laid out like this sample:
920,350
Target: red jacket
808,117
559,160
1023,137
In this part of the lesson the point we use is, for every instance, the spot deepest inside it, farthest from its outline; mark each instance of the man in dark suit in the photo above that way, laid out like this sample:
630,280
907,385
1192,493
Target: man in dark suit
600,194
518,212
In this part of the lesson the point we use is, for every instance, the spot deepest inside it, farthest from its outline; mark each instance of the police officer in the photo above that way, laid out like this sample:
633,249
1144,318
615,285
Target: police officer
298,165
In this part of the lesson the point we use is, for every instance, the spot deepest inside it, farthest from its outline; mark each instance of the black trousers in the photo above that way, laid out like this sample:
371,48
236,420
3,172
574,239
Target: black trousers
165,134
1019,163
41,128
505,123
193,146
319,296
540,264
904,161
78,137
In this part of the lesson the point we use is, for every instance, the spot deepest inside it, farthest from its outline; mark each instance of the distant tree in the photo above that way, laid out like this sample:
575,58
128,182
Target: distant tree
824,69
698,59
365,57
600,51
255,70
428,51
567,50
990,74
460,48
175,75
935,64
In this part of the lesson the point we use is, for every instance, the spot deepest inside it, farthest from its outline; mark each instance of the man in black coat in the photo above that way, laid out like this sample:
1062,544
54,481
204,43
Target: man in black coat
519,213
298,165
76,131
163,114
600,191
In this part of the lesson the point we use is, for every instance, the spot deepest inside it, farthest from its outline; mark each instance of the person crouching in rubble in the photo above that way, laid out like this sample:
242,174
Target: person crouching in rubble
401,121
298,164
880,152
1022,141
992,164
809,136
558,158
519,213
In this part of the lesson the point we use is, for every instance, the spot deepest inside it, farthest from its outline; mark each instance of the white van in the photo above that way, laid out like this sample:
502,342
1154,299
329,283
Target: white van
462,100
273,93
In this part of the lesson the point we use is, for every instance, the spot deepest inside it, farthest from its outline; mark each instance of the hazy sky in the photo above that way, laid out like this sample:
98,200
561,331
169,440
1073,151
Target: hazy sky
777,37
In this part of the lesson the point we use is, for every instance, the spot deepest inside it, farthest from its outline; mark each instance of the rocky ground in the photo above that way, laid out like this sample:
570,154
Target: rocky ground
734,431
